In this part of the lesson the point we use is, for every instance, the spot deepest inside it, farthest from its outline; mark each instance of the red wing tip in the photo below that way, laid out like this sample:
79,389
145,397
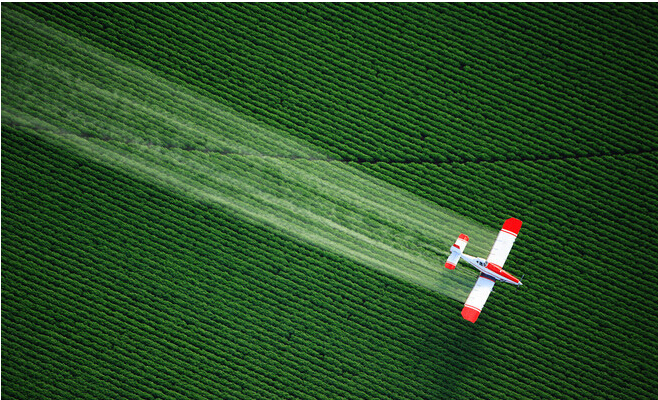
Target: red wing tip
470,314
512,225
463,237
450,265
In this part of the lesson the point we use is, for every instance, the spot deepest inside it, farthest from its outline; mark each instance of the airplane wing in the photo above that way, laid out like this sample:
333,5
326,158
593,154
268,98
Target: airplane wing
504,242
479,295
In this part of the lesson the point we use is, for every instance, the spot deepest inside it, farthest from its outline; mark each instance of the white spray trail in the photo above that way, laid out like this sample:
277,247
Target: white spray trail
129,118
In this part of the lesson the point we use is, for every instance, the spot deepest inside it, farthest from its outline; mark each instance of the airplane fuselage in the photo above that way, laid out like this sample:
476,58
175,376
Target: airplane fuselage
490,269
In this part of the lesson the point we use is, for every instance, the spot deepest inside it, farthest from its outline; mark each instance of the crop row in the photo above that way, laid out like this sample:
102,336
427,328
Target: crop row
446,82
350,124
559,243
564,308
80,189
153,125
187,235
92,260
113,119
99,264
563,196
116,211
106,92
71,188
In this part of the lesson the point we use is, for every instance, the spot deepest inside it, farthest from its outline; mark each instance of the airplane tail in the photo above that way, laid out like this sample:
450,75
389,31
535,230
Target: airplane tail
456,251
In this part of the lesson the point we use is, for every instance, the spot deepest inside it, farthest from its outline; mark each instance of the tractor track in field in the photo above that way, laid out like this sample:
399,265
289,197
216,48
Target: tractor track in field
337,160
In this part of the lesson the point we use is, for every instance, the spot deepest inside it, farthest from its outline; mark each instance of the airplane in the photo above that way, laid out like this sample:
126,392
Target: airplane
491,269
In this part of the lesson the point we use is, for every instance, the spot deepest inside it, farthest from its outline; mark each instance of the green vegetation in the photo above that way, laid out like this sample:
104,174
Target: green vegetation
199,200
263,175
118,289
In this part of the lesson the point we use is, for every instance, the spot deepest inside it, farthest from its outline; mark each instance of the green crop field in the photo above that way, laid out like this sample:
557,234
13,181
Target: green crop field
248,200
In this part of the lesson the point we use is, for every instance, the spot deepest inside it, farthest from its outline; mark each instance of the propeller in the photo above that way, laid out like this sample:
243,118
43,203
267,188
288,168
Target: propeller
520,280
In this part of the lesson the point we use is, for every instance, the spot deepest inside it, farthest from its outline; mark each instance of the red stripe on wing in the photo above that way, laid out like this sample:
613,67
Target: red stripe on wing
470,313
512,226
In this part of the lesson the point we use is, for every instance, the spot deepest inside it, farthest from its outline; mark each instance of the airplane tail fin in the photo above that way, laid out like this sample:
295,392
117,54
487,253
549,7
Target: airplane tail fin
456,251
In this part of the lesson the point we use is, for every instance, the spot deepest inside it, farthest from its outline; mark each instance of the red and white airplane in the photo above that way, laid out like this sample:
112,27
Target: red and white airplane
491,269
